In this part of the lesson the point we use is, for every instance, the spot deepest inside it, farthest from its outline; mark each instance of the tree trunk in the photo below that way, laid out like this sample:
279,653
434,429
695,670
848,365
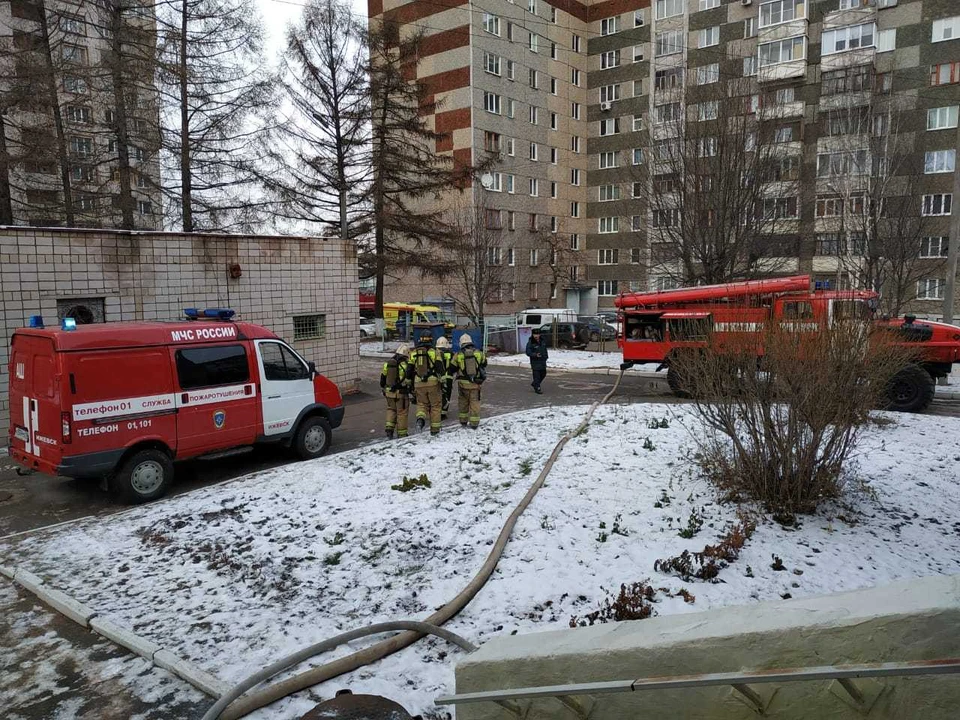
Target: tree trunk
120,116
6,205
50,83
186,177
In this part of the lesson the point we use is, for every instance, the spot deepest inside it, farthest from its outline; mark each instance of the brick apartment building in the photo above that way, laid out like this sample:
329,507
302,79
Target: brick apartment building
572,96
55,70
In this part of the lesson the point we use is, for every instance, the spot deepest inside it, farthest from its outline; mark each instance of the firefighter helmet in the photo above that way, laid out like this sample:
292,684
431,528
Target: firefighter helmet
465,340
443,343
403,350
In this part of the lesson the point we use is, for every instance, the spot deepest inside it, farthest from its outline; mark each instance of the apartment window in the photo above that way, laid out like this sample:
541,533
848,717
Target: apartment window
668,43
610,25
637,123
850,4
534,42
709,36
511,260
709,4
575,43
575,111
534,79
887,40
553,86
491,103
938,204
780,11
81,173
664,184
534,187
606,288
575,177
497,184
574,241
553,190
669,8
491,24
784,95
608,256
638,20
708,74
783,134
532,291
934,247
942,118
511,70
945,74
828,244
707,110
669,112
750,66
511,222
608,224
492,141
554,121
76,54
491,63
78,114
86,203
668,218
575,144
553,291
940,161
74,84
636,190
534,115
779,207
574,209
554,154
838,164
493,254
666,150
856,79
782,51
553,51
511,145
610,126
786,168
553,15
883,83
72,24
930,289
144,207
575,77
609,93
510,183
668,79
608,160
532,6
534,257
511,107
852,37
636,224
946,29
829,206
492,222
610,59
750,27
609,192
81,147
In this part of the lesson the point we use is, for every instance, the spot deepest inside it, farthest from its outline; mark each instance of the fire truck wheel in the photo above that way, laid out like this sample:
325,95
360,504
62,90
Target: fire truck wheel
313,438
145,476
910,390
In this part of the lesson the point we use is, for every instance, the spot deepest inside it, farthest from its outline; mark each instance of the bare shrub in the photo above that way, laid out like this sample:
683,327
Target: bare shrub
707,564
780,428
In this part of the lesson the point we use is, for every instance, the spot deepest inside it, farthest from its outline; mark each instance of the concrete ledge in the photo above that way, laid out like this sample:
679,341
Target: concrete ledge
28,580
7,571
200,679
125,638
913,620
63,603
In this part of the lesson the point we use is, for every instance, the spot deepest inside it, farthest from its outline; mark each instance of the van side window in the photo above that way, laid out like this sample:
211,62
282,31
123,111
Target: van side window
797,311
281,364
209,366
534,320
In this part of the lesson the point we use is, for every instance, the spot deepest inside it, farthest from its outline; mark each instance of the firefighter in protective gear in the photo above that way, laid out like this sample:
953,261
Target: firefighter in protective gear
446,382
427,369
396,382
470,365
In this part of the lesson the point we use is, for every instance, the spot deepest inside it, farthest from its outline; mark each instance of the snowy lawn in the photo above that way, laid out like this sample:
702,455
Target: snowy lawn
569,360
234,576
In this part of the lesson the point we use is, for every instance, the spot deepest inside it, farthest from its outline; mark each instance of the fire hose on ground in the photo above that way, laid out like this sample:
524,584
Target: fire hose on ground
231,705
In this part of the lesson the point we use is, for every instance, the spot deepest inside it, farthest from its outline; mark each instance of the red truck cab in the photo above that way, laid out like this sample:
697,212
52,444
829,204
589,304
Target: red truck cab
125,400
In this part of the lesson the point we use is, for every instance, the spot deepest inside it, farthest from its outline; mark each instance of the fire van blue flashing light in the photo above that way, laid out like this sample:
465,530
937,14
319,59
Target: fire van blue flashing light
191,313
36,321
219,313
68,324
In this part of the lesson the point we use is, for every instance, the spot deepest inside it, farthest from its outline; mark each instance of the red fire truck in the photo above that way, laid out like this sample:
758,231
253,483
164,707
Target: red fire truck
124,400
656,325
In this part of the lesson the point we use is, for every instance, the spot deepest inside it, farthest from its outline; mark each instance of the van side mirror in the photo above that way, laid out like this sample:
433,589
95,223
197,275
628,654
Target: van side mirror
311,366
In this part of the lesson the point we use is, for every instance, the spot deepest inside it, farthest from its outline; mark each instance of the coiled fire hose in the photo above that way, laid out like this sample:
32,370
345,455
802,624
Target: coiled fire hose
223,708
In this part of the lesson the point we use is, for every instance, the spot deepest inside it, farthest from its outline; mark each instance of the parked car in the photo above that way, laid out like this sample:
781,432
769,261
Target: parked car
570,335
368,328
599,328
608,316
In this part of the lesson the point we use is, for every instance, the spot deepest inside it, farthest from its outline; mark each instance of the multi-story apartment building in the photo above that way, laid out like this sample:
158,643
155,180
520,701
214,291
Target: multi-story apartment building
61,74
855,103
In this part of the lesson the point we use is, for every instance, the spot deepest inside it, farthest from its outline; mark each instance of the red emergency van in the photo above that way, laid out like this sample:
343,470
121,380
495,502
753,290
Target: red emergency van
124,400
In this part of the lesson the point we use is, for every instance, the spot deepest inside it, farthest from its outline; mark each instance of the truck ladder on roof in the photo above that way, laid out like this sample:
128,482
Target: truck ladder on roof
703,293
846,689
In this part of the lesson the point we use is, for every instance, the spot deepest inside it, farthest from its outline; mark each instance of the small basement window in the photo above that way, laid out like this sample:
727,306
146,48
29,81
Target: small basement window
309,327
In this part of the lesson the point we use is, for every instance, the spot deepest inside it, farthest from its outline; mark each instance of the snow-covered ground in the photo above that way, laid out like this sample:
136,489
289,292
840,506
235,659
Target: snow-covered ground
234,576
568,360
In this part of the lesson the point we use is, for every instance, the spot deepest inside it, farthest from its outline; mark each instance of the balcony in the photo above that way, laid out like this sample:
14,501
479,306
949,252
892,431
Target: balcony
782,31
845,100
782,110
847,58
843,18
790,70
833,263
778,265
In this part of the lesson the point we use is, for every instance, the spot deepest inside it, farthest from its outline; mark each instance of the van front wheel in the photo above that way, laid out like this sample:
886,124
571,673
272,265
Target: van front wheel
144,476
313,438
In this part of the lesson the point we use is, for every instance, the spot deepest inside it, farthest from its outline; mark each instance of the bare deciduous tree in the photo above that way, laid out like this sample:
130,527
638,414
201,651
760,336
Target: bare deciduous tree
476,252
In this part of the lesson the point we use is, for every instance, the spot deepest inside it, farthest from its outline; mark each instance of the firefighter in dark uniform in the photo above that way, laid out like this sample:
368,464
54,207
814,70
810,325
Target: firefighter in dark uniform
538,353
396,383
446,382
427,368
470,365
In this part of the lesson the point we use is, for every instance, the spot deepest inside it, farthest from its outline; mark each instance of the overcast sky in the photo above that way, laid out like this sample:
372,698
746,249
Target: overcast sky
277,14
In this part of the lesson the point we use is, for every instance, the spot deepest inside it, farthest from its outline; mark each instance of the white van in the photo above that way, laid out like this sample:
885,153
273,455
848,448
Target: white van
535,317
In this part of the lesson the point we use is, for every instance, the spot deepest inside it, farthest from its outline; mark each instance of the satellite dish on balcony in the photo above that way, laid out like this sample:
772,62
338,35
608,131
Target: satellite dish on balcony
486,180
